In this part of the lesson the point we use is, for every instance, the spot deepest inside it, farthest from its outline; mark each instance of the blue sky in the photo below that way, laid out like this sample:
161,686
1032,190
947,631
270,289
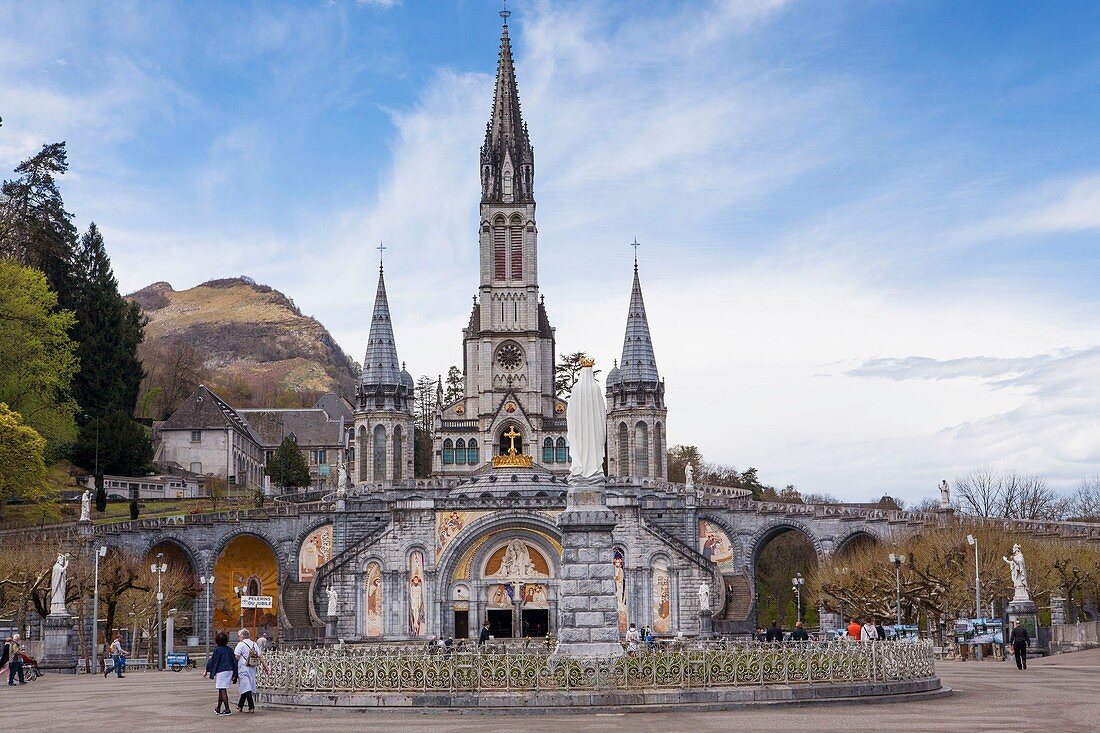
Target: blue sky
870,229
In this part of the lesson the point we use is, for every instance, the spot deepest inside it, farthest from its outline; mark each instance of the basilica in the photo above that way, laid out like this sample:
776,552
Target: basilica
381,555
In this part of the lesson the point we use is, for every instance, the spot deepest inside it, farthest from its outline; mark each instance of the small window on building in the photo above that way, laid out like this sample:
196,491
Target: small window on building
472,456
196,467
196,436
322,456
460,452
563,451
548,450
507,183
448,452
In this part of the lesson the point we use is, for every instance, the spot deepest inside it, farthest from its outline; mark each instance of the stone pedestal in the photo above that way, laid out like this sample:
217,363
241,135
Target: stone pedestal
85,528
706,624
58,654
330,629
588,615
1027,613
1058,612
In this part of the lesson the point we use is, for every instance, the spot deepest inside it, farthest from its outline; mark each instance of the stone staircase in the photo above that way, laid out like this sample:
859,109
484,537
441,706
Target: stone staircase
296,604
738,598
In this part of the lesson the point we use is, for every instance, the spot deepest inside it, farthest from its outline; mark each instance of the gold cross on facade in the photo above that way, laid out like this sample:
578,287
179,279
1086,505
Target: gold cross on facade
512,435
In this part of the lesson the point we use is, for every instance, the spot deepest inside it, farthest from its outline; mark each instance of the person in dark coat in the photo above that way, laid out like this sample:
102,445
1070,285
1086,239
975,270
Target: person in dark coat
222,668
774,632
799,633
1020,642
880,630
484,635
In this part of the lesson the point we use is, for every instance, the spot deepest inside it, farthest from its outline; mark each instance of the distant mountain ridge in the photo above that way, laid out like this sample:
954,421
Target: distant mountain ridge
253,342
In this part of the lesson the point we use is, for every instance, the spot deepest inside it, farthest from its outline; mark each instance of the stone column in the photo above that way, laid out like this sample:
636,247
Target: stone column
706,624
588,618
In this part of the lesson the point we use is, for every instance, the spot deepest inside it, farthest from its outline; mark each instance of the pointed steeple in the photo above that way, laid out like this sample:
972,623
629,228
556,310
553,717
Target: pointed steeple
507,159
380,365
638,363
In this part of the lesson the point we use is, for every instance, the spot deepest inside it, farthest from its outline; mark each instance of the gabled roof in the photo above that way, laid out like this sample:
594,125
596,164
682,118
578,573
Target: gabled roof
204,410
335,405
311,427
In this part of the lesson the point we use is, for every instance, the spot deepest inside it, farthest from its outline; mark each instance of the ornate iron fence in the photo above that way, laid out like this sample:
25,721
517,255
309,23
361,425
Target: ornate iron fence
351,670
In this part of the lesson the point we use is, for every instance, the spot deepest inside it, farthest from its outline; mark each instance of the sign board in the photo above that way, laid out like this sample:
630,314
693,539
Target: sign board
255,601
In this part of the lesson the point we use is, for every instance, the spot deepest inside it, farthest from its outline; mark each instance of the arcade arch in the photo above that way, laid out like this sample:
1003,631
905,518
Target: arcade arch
247,563
779,554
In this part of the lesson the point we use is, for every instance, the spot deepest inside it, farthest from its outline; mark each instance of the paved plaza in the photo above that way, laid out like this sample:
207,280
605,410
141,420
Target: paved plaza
1055,694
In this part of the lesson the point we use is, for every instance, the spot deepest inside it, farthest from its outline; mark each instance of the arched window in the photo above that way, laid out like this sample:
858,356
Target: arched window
448,452
507,187
563,451
641,449
500,249
460,452
624,450
364,455
515,232
548,450
659,450
472,456
398,452
379,453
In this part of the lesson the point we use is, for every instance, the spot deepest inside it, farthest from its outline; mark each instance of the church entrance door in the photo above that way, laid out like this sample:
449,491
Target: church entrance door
536,622
462,624
500,622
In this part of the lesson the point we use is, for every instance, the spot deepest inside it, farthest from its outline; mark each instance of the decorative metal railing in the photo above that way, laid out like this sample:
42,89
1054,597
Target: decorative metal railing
385,669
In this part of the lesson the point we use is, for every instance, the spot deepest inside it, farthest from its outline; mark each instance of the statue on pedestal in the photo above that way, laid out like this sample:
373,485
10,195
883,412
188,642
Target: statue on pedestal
333,600
704,596
86,506
690,474
586,425
1019,574
342,480
945,495
58,583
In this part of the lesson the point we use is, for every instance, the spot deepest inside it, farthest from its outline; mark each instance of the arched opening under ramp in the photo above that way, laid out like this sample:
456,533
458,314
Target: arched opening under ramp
179,583
783,554
246,566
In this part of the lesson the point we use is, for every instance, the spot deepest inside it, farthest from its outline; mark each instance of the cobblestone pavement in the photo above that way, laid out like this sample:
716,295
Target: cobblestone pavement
1056,694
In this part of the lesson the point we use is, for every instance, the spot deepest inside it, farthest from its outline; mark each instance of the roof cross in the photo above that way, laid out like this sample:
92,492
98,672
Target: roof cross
635,244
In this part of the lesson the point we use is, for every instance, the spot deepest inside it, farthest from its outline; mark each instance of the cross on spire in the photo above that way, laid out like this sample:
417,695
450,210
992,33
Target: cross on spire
381,248
505,12
635,244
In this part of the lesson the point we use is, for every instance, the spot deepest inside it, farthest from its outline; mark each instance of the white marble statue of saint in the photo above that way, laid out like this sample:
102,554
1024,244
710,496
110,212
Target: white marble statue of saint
690,473
342,480
333,599
945,495
1019,574
58,583
586,425
704,596
86,506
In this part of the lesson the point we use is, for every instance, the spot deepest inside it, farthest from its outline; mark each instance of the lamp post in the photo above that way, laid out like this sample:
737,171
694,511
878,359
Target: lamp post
134,641
898,560
972,540
160,568
100,551
796,585
208,583
240,590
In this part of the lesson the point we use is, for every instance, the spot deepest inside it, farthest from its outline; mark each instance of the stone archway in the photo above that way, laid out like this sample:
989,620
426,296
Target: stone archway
246,561
780,553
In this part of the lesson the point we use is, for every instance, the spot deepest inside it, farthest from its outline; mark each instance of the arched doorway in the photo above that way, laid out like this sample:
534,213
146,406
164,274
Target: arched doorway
853,544
781,555
516,577
246,563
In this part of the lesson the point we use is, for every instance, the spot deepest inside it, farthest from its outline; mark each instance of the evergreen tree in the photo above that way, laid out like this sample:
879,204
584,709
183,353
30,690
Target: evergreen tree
100,494
133,509
109,330
567,372
35,228
287,466
455,387
422,453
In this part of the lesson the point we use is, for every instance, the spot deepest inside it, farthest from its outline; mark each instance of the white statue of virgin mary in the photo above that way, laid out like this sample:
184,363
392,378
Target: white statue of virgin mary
586,425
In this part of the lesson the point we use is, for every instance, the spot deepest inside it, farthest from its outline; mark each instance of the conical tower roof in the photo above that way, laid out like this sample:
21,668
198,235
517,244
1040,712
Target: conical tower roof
506,134
380,364
638,363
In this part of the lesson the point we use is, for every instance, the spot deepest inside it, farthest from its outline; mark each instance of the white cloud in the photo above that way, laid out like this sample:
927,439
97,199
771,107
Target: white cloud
1055,207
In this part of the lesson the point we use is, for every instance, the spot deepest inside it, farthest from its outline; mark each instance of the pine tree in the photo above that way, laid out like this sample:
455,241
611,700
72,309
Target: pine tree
35,228
287,466
133,509
567,372
100,494
455,386
109,330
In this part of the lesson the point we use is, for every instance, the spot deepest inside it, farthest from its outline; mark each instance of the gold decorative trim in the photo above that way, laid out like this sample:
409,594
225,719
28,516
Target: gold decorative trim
586,362
513,461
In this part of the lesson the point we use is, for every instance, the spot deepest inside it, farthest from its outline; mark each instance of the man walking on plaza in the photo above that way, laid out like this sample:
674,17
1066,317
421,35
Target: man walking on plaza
1020,642
869,632
774,632
799,633
855,629
119,658
15,660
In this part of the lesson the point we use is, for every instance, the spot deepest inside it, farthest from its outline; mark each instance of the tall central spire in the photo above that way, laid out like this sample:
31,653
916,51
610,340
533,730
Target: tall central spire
507,159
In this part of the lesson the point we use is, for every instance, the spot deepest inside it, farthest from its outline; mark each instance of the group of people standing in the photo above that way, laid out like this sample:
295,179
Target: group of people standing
871,630
775,633
237,666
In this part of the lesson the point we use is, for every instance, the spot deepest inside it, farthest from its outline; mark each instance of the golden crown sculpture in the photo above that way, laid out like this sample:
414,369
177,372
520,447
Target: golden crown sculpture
587,362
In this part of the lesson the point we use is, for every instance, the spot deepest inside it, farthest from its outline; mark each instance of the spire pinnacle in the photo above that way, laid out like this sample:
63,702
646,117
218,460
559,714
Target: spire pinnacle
507,159
638,363
380,364
381,248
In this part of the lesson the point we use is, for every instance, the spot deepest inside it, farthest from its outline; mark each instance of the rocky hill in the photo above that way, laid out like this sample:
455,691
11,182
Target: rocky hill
249,341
